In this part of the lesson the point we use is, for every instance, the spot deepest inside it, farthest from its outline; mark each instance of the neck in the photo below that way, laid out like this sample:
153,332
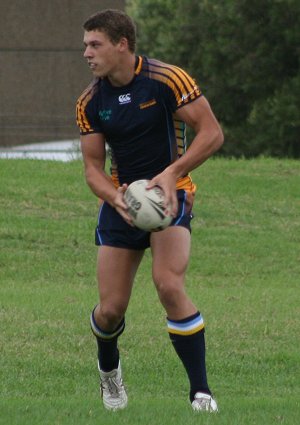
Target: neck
124,73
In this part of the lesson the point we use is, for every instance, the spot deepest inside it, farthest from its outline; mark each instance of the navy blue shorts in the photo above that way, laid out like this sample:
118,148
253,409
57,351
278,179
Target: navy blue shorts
112,229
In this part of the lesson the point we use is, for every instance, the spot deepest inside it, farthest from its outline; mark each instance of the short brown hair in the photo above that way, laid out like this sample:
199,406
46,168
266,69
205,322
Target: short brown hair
115,24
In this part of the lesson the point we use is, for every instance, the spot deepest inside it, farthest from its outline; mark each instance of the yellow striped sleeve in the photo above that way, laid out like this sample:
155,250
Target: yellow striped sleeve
81,117
184,87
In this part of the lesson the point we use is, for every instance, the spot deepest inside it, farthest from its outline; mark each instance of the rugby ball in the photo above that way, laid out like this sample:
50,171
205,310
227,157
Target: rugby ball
146,206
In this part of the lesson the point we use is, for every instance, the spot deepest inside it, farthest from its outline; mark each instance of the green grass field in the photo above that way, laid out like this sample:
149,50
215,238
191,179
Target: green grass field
244,276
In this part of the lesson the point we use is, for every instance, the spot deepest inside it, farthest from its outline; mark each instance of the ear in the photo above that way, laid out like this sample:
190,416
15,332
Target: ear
123,44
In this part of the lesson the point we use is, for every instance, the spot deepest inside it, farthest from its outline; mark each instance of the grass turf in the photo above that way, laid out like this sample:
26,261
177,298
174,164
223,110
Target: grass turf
243,275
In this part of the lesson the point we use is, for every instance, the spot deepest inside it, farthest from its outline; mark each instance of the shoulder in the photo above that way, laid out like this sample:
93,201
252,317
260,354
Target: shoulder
89,93
164,72
181,84
86,107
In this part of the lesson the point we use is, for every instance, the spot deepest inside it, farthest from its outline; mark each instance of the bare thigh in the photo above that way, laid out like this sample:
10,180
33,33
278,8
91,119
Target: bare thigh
116,269
170,253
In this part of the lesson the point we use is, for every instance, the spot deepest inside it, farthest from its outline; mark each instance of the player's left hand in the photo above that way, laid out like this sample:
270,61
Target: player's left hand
167,182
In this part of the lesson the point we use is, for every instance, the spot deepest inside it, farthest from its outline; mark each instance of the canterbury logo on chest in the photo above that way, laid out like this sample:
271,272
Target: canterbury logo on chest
124,98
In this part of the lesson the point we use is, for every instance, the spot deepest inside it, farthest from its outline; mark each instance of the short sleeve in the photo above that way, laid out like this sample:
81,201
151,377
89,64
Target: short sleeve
86,112
183,87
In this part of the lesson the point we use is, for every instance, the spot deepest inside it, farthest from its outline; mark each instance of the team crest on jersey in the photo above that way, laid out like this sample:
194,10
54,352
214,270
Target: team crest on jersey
124,98
105,114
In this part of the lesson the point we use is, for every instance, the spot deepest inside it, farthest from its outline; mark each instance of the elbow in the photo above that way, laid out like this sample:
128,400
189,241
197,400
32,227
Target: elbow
218,139
90,176
88,180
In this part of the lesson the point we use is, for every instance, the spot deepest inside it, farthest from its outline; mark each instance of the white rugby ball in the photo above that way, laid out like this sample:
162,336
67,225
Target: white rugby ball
146,207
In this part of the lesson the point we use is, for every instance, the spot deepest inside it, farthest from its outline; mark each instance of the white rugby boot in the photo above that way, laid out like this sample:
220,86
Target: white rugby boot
112,389
204,403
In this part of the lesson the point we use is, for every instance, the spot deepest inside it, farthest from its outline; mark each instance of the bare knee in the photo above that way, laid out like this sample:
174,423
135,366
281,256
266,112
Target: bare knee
172,295
170,289
109,316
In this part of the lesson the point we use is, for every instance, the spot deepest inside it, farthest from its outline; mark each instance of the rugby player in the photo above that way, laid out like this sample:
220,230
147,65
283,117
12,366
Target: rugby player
140,108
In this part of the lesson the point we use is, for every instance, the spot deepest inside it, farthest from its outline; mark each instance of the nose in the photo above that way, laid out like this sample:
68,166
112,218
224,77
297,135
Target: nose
86,52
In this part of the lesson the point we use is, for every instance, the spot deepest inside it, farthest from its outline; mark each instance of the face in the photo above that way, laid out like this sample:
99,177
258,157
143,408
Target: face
102,56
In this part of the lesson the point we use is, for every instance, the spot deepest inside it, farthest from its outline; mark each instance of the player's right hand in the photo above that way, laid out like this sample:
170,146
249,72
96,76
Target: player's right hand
120,205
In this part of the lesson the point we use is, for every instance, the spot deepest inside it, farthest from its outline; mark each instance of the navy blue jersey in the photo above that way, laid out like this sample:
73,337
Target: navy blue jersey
138,120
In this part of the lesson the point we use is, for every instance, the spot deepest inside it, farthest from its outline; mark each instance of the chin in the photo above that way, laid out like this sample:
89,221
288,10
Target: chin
98,74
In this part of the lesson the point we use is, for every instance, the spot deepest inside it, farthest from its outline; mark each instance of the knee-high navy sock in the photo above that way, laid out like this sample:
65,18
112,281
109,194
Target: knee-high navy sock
108,353
187,337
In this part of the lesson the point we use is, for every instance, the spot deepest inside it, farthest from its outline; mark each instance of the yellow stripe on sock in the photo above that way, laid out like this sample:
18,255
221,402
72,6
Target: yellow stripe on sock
186,333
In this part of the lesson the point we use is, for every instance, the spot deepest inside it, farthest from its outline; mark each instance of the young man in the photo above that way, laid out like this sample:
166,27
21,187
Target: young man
139,107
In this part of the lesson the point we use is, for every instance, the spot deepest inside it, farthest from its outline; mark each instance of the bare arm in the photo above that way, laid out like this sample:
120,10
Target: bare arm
94,156
208,139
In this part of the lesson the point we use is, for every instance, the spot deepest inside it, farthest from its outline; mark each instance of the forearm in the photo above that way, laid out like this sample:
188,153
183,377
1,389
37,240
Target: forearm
100,184
202,147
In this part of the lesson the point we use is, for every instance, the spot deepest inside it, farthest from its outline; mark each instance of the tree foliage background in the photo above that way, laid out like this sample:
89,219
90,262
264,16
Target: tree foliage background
245,57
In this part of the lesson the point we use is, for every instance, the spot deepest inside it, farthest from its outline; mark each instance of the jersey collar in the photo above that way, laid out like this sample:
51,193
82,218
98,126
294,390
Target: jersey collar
138,65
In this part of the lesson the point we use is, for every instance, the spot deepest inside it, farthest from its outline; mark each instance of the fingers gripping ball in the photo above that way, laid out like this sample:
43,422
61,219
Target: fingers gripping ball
146,207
